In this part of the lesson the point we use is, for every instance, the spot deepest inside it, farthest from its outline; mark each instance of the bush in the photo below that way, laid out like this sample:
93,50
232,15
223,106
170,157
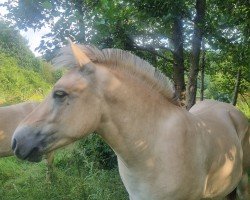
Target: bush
19,84
15,46
96,152
243,105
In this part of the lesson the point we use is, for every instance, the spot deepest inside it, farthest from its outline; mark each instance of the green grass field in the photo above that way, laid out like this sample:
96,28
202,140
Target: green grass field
21,180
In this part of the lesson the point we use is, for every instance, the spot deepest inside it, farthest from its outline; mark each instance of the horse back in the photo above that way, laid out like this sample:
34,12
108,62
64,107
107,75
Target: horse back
232,117
223,113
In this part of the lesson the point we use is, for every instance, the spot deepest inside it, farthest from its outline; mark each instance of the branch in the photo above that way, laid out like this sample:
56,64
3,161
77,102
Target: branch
157,42
165,48
152,51
147,48
159,46
156,36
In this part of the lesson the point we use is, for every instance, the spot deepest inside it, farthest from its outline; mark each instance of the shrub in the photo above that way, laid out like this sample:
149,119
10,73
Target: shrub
19,84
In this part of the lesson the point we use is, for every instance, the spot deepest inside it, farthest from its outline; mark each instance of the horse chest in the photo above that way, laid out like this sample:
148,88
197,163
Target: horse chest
139,188
155,184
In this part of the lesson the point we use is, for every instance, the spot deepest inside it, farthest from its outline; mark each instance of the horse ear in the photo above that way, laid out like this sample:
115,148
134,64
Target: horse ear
81,58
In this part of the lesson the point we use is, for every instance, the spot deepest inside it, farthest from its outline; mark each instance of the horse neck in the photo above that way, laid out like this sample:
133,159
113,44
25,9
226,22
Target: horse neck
28,107
133,117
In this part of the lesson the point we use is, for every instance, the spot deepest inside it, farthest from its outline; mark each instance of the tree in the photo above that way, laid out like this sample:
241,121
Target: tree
202,69
159,31
236,88
169,15
178,55
228,36
195,56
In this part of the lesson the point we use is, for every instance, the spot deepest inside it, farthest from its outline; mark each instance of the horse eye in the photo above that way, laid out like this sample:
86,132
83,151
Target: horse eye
59,94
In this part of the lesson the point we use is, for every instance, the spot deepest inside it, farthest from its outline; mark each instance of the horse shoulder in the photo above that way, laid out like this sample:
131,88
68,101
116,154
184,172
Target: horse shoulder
184,155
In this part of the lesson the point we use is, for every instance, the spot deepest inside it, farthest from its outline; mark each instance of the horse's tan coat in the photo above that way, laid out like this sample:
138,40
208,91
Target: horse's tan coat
224,151
164,152
10,117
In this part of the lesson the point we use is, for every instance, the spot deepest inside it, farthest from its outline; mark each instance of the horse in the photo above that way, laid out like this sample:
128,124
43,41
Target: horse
10,116
164,152
204,110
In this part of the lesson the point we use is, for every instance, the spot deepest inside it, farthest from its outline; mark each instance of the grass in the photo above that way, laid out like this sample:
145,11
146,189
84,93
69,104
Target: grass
27,181
244,107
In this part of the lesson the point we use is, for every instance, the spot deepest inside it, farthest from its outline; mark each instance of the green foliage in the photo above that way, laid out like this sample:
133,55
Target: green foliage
97,152
221,73
243,104
22,76
19,84
219,88
13,45
148,24
24,181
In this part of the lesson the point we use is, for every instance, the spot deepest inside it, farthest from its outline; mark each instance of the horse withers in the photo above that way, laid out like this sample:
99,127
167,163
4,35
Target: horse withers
164,152
10,116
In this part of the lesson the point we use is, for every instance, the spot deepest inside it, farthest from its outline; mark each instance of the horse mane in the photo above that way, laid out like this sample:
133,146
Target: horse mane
124,60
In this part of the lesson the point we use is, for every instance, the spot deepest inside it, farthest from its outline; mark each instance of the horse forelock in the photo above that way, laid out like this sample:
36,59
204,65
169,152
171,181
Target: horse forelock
124,60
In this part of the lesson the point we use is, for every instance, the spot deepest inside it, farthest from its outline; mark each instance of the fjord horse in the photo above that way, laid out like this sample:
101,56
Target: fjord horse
164,152
10,116
225,112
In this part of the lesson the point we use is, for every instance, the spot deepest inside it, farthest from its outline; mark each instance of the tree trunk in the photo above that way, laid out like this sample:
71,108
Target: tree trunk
81,37
203,68
154,60
195,56
178,65
236,88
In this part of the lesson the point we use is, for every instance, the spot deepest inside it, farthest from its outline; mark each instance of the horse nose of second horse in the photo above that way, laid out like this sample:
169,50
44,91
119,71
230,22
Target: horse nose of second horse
13,146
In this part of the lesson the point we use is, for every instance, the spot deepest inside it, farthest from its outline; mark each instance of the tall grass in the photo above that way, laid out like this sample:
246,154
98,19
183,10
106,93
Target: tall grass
27,181
243,105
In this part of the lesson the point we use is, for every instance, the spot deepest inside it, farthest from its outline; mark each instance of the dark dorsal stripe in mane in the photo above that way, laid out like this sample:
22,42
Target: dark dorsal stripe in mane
124,60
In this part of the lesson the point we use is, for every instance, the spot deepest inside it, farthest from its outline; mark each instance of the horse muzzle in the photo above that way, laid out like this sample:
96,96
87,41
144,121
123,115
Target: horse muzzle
27,144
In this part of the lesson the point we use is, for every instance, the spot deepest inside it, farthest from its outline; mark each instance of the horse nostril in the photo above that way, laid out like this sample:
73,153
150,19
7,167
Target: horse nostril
14,144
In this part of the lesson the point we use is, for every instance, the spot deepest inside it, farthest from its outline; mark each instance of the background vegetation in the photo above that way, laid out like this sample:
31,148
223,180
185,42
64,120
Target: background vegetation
179,37
75,176
202,44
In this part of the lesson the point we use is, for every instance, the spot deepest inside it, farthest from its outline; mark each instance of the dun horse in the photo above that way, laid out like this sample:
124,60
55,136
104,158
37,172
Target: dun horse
164,152
10,116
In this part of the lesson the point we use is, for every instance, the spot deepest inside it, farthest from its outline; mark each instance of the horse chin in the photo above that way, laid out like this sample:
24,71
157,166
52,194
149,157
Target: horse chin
34,156
37,158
